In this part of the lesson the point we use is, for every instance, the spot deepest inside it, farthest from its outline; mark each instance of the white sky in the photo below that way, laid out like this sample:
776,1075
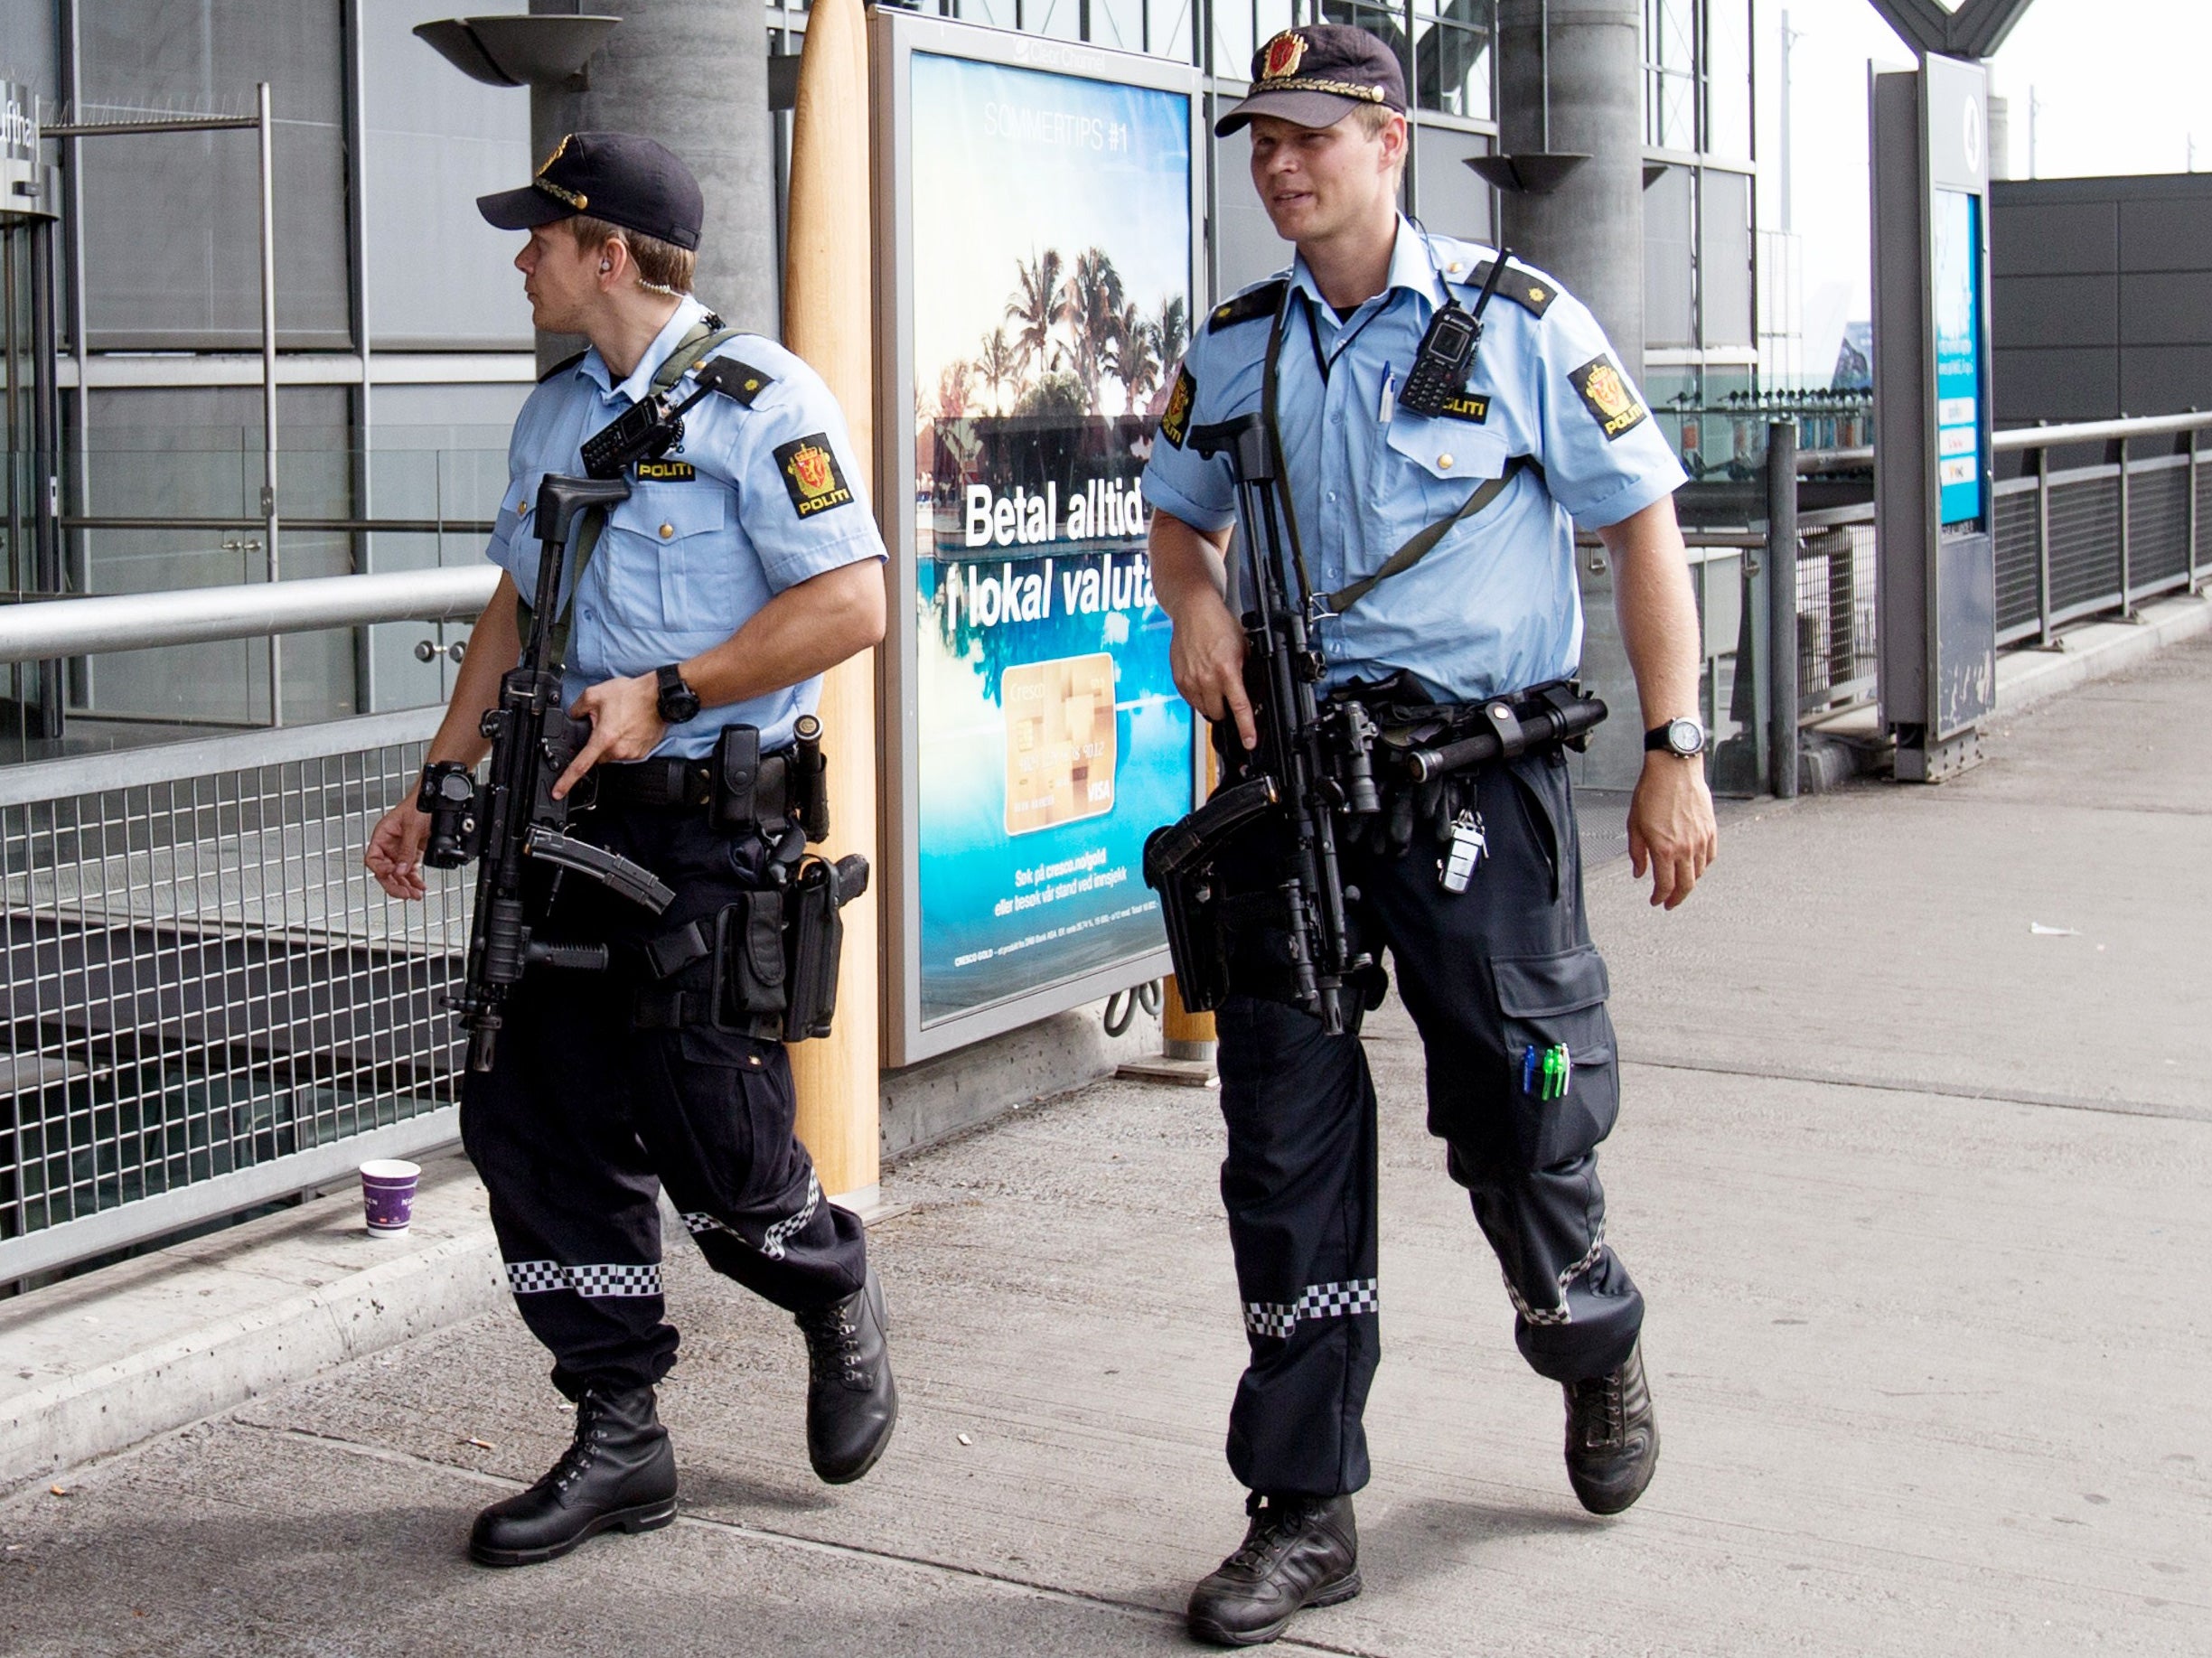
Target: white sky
2121,83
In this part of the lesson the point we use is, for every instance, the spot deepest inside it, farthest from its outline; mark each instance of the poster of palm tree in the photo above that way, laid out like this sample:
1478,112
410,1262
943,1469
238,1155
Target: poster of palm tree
1052,253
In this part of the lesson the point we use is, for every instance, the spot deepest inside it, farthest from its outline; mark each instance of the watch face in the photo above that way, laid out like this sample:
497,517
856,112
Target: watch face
1685,736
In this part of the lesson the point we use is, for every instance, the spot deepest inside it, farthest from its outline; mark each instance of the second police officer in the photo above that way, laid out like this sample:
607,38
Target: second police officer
1546,433
742,567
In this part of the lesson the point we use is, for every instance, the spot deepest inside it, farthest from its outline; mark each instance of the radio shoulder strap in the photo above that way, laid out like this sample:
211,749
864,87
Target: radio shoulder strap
1421,542
704,336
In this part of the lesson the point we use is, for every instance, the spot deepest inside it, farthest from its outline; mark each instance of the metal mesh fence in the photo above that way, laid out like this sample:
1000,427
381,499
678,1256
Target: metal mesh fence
203,982
2085,541
2019,575
1835,617
2158,526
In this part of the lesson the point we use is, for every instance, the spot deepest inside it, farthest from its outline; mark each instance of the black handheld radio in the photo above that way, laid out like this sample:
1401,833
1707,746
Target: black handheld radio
1447,352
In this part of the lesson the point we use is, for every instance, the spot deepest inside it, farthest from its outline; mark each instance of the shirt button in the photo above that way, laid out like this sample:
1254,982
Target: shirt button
1332,494
667,530
1443,462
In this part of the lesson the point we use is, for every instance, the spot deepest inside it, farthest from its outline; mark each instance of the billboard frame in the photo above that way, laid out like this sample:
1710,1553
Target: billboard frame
894,37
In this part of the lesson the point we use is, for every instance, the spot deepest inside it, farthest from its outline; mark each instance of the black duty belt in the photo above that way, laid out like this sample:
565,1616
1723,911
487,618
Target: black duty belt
664,783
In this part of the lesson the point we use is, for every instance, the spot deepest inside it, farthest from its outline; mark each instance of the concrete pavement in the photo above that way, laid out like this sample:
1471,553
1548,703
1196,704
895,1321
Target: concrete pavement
1916,1192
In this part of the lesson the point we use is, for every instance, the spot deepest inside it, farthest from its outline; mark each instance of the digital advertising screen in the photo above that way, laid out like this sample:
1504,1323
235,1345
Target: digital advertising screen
1051,257
1957,268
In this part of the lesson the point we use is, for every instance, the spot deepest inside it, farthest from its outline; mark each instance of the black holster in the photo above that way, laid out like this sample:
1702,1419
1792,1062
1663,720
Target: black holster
765,966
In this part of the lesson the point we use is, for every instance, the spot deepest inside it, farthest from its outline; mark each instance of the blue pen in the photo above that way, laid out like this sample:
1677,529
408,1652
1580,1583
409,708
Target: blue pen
1528,1068
1389,403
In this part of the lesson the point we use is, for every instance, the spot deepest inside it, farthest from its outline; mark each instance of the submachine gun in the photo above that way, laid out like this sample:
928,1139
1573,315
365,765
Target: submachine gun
511,816
1316,763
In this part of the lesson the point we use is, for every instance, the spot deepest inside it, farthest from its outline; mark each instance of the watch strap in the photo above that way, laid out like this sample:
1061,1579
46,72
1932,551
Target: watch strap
670,688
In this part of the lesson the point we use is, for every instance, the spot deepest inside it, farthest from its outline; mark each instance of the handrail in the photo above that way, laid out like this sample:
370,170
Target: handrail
2029,437
2099,431
42,630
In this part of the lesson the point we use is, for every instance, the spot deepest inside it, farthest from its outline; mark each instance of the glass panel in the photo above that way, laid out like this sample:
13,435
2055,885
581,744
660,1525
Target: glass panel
1724,256
1453,199
1670,34
1452,70
1170,28
1669,266
1727,79
172,240
1233,38
434,142
1060,19
197,453
990,13
1118,23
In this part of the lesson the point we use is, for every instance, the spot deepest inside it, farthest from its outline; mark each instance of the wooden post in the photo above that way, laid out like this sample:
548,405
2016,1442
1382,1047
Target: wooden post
1184,1035
829,320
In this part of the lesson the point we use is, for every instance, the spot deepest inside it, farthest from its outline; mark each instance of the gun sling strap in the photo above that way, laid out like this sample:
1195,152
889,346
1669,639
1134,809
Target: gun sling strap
690,351
1413,549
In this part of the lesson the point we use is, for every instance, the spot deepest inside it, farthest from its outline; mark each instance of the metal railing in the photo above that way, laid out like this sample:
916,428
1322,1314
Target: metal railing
2084,539
2071,543
209,1003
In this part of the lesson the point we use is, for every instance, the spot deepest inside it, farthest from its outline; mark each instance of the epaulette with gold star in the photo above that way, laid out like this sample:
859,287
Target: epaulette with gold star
1256,302
1526,289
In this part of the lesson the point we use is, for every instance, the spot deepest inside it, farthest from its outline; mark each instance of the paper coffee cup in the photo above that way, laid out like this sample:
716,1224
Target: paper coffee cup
388,1195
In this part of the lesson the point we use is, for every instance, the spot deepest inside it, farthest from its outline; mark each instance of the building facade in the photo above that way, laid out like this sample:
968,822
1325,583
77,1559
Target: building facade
404,342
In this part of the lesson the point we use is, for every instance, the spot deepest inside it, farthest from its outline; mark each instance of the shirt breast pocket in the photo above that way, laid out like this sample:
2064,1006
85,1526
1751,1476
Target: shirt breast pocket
1431,467
668,540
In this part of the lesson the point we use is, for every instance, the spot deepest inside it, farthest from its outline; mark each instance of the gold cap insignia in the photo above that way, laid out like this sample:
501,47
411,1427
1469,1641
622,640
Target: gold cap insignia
1285,52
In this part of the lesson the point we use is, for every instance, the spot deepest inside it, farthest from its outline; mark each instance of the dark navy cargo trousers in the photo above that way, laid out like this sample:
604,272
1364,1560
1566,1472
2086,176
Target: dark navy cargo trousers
1486,974
584,1118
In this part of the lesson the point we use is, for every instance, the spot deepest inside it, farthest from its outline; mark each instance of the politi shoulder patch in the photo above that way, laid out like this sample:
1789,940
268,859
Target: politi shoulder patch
1262,301
1175,419
811,474
1605,393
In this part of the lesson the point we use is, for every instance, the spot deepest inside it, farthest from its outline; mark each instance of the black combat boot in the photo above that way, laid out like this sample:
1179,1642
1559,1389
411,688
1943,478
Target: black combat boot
619,1474
852,1403
1297,1552
1612,1437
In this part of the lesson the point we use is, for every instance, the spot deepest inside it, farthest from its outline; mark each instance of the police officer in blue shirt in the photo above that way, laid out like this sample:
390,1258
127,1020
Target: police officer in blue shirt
1546,432
743,566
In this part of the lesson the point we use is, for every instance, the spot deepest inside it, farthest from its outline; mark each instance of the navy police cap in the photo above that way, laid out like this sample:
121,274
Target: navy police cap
618,177
1317,75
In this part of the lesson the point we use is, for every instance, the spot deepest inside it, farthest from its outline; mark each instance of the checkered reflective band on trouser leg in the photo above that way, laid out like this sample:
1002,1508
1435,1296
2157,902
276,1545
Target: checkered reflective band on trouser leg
539,1278
1277,1319
1298,1184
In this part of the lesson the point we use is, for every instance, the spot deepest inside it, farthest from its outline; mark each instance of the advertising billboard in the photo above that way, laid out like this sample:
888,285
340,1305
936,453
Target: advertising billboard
1039,240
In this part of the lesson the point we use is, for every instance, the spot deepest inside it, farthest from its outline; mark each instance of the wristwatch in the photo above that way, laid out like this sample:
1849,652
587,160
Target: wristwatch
1682,737
679,701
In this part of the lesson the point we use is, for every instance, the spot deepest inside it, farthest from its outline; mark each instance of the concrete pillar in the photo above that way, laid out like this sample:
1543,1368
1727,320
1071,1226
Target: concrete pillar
1589,234
691,74
1590,231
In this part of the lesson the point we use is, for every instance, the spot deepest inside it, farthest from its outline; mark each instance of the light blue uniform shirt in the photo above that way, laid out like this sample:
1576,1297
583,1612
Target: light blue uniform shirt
775,497
1495,607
